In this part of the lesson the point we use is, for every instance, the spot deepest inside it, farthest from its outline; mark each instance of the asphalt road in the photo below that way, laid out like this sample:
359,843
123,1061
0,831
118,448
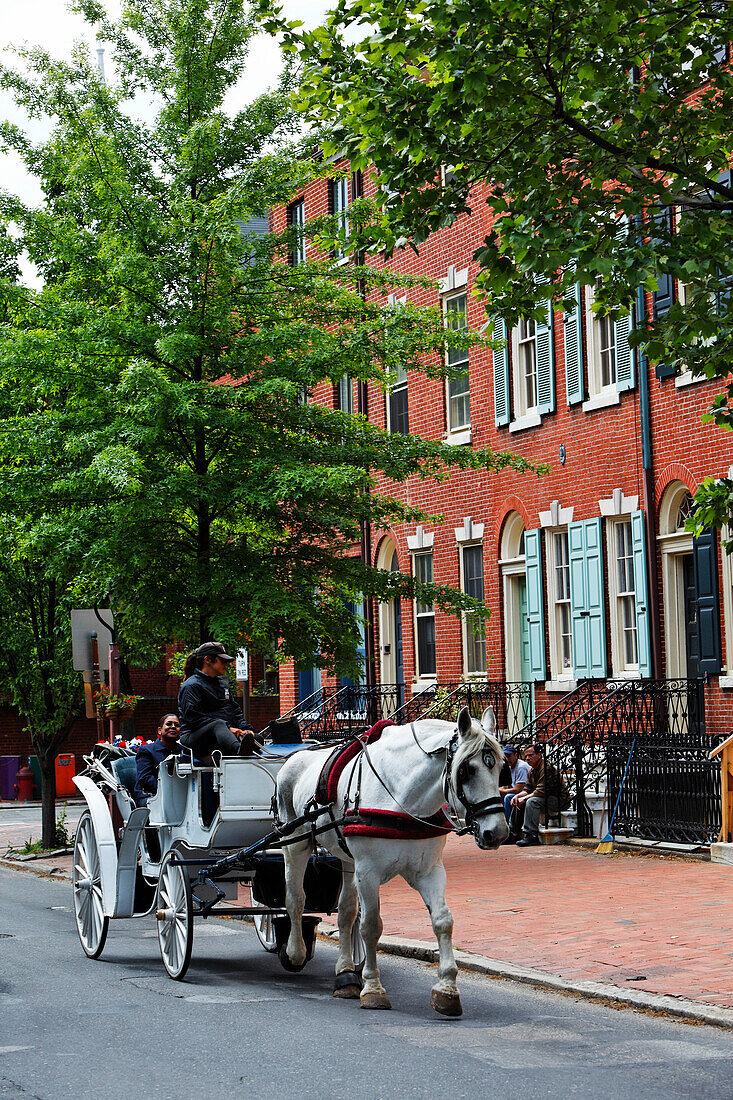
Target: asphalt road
238,1025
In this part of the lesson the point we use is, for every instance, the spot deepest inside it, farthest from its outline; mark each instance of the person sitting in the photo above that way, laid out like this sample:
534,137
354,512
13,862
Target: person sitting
210,716
545,791
149,758
519,774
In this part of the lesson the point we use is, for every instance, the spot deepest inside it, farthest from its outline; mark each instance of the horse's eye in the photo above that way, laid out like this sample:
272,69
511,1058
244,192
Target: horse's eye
488,758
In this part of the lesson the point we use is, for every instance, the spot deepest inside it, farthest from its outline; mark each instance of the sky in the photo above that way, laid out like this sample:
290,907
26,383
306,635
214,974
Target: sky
50,24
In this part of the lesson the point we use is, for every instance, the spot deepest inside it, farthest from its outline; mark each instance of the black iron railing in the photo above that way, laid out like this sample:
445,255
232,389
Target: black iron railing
513,703
334,713
671,792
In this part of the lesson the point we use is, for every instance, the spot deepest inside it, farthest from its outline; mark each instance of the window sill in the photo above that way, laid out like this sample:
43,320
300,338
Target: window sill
602,400
531,419
623,677
422,683
459,438
688,379
552,686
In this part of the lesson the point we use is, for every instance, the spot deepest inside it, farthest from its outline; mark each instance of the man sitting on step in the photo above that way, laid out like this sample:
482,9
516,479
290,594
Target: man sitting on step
545,793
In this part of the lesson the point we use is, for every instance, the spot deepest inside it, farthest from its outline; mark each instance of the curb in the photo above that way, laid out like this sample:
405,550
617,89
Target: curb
602,992
57,873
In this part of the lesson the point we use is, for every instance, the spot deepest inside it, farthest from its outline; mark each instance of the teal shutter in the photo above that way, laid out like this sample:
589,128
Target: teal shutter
545,342
641,591
625,356
705,553
574,351
501,375
535,605
587,599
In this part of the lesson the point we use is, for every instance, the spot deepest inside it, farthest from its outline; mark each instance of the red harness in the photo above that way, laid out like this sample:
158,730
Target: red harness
387,824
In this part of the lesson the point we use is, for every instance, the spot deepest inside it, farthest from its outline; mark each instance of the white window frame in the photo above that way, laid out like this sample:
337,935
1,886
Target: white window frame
524,344
341,210
466,618
399,384
345,387
453,427
600,394
561,673
622,669
298,254
417,614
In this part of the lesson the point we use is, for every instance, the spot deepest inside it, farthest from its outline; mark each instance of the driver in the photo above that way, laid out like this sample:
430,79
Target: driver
210,717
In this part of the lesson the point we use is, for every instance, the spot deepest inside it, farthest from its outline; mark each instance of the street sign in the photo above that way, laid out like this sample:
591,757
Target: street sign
242,665
83,623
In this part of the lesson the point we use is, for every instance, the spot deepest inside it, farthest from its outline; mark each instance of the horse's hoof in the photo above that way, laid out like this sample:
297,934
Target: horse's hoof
287,963
347,985
447,1004
375,1000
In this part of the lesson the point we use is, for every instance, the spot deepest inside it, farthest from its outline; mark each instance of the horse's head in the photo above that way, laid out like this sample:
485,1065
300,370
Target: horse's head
473,780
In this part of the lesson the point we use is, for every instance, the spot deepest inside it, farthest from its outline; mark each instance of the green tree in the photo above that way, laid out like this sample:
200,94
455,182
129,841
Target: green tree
562,115
172,347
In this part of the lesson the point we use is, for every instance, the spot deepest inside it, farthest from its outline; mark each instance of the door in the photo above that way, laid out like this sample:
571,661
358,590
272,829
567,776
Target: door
692,644
398,664
525,664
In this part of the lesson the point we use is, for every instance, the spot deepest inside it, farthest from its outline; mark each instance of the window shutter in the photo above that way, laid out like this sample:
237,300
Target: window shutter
501,376
331,185
641,589
726,281
625,356
535,605
705,553
545,345
587,599
573,325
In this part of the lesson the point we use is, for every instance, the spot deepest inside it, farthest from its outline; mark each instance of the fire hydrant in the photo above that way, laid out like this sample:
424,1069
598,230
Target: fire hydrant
24,784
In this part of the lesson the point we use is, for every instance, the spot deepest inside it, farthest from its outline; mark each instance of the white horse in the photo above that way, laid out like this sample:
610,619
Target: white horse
411,770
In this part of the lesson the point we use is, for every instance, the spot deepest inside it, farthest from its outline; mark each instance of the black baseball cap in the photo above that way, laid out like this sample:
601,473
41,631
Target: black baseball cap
214,649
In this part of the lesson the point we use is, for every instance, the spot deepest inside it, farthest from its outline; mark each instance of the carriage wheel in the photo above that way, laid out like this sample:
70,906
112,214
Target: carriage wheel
174,905
265,928
91,923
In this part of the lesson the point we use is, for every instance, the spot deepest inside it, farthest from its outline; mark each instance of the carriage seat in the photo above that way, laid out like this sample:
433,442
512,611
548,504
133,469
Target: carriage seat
125,772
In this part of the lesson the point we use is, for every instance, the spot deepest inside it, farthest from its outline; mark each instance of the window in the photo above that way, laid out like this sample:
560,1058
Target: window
524,355
474,640
344,395
424,618
340,208
561,631
624,643
398,420
296,219
611,361
457,400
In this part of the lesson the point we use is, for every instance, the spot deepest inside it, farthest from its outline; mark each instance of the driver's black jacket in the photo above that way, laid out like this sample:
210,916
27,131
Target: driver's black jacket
203,698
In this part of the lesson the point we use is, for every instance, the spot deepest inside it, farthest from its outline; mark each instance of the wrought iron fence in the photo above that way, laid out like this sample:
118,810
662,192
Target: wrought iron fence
513,703
335,713
671,792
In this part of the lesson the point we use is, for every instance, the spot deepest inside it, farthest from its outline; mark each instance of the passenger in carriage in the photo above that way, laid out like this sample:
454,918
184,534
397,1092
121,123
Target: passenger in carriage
210,716
149,757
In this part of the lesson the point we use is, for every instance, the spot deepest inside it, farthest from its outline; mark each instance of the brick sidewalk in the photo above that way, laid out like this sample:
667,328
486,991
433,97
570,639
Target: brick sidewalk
660,924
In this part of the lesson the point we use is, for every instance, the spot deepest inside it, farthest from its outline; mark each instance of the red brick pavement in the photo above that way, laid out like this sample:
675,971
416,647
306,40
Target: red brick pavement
661,924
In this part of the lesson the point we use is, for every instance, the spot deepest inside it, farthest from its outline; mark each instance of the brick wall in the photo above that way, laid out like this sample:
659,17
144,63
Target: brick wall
602,453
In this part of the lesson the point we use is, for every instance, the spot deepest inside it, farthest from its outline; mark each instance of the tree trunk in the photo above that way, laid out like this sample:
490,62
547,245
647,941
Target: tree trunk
47,761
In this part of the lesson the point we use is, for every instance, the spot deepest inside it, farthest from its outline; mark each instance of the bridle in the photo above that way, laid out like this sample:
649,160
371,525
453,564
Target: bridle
473,810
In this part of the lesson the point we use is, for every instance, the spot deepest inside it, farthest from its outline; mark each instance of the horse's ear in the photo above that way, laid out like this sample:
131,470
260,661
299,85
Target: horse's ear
488,721
464,721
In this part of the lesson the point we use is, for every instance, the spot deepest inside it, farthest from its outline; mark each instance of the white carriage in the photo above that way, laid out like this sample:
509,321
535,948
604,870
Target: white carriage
206,832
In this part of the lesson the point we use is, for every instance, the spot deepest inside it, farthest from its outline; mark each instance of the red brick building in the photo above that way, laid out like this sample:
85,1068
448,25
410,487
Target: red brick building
588,570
